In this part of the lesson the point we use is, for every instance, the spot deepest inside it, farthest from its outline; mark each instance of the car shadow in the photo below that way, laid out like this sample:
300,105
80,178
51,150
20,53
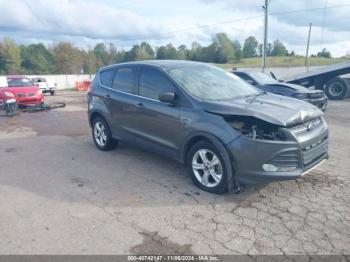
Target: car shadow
71,169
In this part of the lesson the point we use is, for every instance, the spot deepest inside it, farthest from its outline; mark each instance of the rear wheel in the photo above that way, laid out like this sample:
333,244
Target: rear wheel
207,167
102,135
52,92
337,88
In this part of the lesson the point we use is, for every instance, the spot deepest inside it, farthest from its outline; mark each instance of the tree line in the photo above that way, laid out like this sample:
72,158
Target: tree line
65,58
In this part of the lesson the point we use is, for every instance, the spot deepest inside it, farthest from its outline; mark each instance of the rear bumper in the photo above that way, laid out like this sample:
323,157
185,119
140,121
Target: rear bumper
47,89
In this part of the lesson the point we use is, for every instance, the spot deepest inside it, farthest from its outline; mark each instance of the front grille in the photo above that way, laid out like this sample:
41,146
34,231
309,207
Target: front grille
286,159
21,95
314,152
316,95
31,94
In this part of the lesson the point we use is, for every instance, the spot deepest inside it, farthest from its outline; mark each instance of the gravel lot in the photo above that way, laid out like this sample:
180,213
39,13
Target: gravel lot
60,195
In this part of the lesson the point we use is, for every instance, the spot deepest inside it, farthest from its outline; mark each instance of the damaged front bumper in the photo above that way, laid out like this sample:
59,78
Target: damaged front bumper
261,161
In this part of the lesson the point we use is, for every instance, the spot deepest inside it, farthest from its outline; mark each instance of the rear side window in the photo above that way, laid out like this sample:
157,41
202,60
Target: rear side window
153,83
106,77
124,80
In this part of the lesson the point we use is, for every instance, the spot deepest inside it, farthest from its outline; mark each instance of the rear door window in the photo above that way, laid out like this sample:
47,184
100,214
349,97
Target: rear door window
153,83
106,77
124,80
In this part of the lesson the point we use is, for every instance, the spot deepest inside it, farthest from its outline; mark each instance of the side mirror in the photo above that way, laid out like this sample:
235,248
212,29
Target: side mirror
167,97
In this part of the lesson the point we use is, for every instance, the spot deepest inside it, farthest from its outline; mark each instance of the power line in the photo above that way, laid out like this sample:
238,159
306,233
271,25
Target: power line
140,37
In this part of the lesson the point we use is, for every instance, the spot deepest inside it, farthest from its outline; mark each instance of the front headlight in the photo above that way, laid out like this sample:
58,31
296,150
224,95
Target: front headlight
9,94
256,129
300,96
39,92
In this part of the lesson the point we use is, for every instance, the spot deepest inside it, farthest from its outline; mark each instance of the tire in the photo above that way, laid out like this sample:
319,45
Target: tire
52,93
197,169
337,88
102,135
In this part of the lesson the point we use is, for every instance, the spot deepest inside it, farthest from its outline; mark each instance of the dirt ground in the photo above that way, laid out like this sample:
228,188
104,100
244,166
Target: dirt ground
60,195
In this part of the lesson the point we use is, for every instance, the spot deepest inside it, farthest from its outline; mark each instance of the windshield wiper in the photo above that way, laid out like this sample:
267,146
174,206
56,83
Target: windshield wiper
256,95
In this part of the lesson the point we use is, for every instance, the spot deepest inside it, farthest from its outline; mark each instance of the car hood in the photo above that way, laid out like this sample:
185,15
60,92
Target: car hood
297,88
21,90
276,109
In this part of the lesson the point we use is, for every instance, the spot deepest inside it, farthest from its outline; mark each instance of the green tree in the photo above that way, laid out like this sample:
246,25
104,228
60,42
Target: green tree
161,53
140,52
166,52
238,50
90,62
195,52
10,57
268,49
147,52
101,53
67,59
278,49
250,46
112,54
36,59
182,52
209,53
225,50
324,53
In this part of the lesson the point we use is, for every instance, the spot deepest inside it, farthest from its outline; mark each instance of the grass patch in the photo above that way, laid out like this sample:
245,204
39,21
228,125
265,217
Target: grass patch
283,61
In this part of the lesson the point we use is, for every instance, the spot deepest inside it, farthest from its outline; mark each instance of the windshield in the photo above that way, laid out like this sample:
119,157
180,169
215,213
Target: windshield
19,82
211,83
263,79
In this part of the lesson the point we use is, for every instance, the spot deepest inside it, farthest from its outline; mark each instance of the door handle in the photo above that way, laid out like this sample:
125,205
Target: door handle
139,105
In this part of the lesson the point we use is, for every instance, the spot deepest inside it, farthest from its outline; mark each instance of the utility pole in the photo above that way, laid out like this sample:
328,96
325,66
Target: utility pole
307,49
265,7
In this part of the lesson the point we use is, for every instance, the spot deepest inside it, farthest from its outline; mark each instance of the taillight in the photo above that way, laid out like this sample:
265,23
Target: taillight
89,88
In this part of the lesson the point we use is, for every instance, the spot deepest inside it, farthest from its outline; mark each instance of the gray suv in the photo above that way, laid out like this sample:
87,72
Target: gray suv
225,130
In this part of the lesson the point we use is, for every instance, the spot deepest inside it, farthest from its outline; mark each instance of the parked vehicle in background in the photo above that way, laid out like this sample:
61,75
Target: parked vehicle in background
268,84
3,81
44,85
331,79
225,130
25,92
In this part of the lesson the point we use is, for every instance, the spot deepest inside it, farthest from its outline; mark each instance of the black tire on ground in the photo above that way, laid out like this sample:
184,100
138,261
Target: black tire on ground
221,187
52,93
337,88
109,142
348,79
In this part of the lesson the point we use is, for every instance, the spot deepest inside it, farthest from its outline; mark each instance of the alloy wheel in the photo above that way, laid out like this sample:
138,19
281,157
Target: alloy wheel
100,134
207,168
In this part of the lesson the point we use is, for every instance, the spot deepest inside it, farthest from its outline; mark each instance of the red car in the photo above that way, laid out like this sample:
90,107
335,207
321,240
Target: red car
25,92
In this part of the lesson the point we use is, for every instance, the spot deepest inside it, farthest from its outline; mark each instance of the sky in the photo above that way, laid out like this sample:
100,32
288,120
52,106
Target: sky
159,22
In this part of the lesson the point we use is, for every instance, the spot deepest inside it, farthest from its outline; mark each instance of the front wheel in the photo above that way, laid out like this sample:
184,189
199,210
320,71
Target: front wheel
102,135
207,167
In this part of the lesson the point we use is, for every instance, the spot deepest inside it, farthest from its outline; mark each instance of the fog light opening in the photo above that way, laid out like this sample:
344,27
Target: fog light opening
270,167
274,168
